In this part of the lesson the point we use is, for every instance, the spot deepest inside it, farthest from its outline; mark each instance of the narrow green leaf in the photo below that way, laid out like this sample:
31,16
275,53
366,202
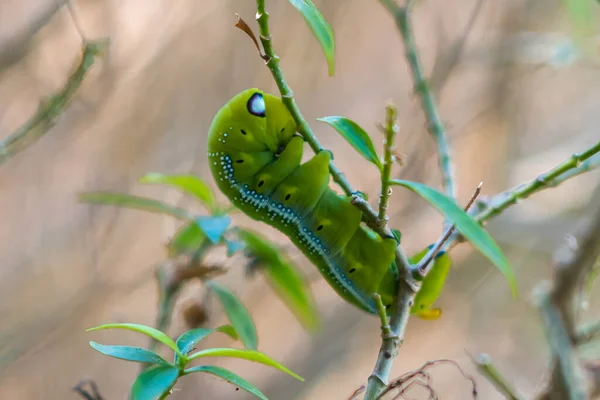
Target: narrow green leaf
259,247
146,330
293,290
284,278
229,377
356,136
251,355
471,230
238,315
188,183
320,28
214,227
154,383
187,239
129,353
131,201
189,339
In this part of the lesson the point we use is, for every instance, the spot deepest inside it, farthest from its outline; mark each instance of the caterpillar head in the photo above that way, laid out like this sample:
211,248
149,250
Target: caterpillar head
252,121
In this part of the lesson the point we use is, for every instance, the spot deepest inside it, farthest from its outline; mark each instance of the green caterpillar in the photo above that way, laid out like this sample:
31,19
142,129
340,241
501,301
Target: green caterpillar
255,158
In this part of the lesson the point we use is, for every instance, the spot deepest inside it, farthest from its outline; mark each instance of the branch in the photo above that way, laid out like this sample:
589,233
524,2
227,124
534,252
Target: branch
586,166
486,368
588,332
435,125
558,306
407,286
51,108
565,170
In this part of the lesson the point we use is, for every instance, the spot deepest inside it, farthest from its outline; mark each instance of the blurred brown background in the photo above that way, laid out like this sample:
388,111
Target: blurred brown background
147,106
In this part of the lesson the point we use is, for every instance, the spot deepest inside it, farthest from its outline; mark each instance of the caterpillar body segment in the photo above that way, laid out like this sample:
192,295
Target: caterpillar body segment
255,158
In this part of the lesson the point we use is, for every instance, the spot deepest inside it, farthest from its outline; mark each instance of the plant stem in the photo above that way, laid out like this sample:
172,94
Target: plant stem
50,109
586,166
588,332
435,125
385,326
388,350
571,374
553,177
487,369
558,307
406,286
391,129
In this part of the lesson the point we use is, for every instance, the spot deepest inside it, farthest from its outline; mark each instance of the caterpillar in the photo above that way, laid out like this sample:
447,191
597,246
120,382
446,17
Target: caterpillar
255,157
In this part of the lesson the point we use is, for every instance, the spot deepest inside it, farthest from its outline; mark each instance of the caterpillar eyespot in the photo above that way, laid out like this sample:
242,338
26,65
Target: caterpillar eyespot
296,199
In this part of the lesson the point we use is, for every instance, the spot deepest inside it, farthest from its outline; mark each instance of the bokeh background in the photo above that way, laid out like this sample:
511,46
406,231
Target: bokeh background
146,107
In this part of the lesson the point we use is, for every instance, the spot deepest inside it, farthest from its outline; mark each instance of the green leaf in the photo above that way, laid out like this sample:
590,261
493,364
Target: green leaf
259,247
146,330
131,201
320,28
238,315
188,183
251,355
294,292
284,278
189,339
229,377
154,383
356,136
466,225
214,227
187,239
129,353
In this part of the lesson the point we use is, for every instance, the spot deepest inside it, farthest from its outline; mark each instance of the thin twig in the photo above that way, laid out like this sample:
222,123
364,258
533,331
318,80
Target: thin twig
422,372
428,103
358,391
484,365
421,267
386,331
50,109
553,177
76,23
588,332
390,131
